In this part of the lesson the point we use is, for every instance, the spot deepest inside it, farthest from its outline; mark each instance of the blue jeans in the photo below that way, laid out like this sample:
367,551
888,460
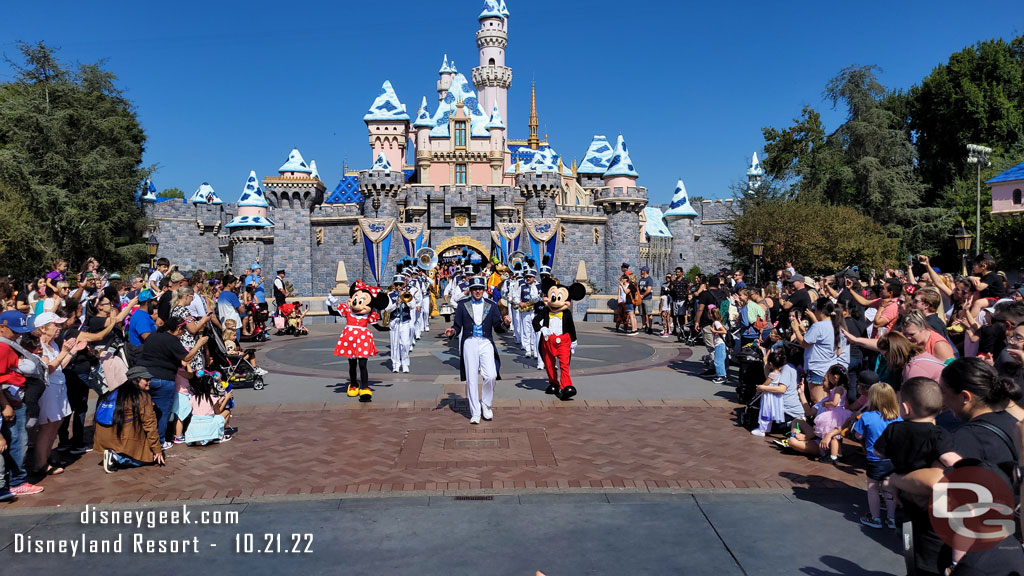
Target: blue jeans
17,445
122,461
720,361
163,393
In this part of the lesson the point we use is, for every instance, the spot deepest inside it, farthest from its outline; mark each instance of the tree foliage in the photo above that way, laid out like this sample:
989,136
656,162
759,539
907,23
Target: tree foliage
70,159
816,237
171,193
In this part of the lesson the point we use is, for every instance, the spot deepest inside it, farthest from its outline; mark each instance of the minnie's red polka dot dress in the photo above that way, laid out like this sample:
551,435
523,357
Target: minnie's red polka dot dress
356,340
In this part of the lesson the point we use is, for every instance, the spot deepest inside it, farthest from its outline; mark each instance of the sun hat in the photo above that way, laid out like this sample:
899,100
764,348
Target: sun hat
45,318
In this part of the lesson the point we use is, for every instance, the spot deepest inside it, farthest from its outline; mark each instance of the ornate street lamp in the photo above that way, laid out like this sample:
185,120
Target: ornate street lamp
758,252
963,245
152,245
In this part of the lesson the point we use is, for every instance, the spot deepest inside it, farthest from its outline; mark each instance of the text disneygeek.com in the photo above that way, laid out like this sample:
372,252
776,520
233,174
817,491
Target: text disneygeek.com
138,542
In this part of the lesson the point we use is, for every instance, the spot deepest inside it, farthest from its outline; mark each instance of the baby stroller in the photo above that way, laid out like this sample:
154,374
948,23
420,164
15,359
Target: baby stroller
281,324
259,325
236,370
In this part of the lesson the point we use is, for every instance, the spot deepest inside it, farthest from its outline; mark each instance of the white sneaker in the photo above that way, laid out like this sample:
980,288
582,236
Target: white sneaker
757,432
487,414
395,370
474,420
405,369
261,372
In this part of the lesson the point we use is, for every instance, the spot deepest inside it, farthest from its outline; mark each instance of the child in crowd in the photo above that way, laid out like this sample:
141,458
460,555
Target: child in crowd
830,414
210,413
883,410
780,399
248,297
719,331
230,338
665,307
295,319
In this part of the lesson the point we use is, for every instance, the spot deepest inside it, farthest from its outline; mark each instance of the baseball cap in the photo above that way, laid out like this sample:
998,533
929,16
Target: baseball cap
177,276
645,269
47,318
114,276
138,372
797,278
145,295
16,321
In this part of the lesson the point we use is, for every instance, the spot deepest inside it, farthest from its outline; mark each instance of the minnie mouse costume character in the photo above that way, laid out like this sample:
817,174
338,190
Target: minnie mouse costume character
356,340
558,334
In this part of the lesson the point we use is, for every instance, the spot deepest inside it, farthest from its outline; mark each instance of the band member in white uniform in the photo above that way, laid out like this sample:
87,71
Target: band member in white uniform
476,318
512,297
425,284
529,295
401,325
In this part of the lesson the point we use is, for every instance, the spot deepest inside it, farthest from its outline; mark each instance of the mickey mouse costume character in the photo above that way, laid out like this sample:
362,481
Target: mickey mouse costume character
558,334
356,340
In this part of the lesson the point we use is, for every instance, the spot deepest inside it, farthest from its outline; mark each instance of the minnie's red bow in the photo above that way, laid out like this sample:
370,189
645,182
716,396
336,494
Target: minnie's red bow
373,290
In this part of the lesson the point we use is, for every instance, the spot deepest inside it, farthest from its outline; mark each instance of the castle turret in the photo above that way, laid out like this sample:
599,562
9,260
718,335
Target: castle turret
249,232
492,78
380,186
205,195
293,195
422,125
496,155
533,140
595,163
755,174
447,73
681,220
539,184
148,192
388,125
622,200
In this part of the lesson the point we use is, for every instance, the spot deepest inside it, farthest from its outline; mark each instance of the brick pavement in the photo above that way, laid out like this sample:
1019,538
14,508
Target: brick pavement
407,446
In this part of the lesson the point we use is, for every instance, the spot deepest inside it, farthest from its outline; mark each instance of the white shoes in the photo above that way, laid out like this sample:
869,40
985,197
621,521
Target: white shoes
487,414
474,420
757,432
405,369
260,372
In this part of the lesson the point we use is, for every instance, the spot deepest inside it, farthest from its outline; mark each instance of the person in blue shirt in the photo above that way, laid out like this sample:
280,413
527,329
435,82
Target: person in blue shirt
883,409
256,280
141,325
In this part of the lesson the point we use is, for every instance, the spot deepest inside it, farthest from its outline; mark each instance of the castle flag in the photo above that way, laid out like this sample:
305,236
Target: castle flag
377,234
543,237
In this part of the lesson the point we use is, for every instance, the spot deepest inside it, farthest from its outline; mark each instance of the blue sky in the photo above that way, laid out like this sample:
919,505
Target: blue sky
222,88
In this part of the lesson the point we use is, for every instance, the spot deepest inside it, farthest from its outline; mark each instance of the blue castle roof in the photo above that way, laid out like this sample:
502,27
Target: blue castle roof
445,68
346,192
655,226
295,163
252,193
491,10
755,169
461,89
381,163
423,116
205,195
598,154
313,173
680,206
149,191
502,8
495,121
250,221
621,164
386,106
1015,173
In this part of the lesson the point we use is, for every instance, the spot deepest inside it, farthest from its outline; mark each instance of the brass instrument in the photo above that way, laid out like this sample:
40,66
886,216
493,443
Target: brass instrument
406,297
517,257
426,258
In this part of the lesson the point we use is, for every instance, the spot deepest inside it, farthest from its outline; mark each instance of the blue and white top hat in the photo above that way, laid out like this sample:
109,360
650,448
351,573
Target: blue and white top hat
468,270
477,282
529,272
398,279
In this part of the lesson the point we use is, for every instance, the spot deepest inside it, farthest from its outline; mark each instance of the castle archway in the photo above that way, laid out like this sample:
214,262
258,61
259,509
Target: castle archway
452,248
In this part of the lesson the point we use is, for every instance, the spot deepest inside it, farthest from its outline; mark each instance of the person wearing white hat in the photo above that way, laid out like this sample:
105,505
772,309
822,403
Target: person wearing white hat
53,405
475,320
401,324
529,295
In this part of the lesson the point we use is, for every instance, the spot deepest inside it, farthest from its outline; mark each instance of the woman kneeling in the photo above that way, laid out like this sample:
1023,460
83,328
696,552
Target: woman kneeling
126,430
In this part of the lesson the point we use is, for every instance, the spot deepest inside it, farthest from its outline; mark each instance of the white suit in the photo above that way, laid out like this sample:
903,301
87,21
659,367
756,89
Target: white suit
401,332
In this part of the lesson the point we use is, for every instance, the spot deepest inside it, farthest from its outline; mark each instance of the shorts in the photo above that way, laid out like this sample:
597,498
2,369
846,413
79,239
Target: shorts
182,406
630,307
679,308
879,469
814,378
645,307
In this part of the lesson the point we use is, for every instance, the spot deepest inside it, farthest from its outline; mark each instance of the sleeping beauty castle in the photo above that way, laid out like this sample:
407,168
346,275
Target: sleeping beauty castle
448,177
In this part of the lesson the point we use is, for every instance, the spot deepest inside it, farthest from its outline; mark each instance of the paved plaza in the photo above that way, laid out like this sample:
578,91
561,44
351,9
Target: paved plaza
646,446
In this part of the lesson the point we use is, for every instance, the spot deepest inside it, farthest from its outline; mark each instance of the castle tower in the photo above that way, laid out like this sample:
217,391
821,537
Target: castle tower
539,184
250,231
388,124
755,174
533,141
622,201
595,163
447,73
294,194
492,78
496,155
422,126
680,219
380,186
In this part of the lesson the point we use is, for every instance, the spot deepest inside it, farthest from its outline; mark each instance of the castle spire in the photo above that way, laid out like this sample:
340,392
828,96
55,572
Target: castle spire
534,123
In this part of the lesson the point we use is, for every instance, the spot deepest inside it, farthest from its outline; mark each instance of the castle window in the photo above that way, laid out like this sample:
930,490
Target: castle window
460,173
460,134
491,61
1016,196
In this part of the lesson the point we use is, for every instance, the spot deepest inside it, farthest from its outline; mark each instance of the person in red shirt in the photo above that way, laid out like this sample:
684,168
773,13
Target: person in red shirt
14,438
887,306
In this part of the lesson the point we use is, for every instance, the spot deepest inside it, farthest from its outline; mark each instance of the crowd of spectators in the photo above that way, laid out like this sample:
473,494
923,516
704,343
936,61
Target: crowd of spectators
142,346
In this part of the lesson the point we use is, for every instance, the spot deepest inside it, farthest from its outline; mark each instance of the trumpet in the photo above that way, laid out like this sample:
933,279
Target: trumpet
406,297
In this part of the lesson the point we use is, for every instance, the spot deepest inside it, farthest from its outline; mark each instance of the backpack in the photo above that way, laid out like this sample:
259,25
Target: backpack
105,409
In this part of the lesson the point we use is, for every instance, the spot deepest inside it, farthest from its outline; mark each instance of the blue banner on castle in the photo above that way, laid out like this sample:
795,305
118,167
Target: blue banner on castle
506,239
377,234
414,236
543,235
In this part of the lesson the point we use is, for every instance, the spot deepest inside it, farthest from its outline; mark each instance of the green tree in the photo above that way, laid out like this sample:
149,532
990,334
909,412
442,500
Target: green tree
171,193
976,97
816,237
71,149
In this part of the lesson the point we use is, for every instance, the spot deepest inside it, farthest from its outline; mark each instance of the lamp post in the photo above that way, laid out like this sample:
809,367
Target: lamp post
152,245
978,155
758,251
963,245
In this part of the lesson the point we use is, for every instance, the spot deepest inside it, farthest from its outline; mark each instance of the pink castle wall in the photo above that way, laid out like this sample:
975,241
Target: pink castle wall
620,182
252,211
1002,196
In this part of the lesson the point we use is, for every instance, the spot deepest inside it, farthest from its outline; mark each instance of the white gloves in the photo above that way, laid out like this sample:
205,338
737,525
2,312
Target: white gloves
572,348
545,332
